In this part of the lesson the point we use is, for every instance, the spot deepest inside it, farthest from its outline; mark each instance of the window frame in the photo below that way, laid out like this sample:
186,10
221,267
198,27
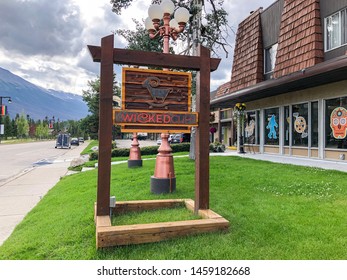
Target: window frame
266,56
340,31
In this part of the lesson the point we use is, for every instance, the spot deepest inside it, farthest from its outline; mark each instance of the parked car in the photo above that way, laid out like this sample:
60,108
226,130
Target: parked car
74,141
180,138
63,141
140,136
169,139
81,139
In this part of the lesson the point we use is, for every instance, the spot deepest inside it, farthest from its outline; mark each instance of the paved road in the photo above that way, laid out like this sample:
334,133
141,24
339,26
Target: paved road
28,172
18,158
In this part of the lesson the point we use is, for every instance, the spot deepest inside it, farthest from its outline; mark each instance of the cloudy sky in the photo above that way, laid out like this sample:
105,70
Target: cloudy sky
45,41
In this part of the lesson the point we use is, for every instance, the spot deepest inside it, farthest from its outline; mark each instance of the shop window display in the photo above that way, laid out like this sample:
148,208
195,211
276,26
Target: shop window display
300,125
336,123
250,127
271,135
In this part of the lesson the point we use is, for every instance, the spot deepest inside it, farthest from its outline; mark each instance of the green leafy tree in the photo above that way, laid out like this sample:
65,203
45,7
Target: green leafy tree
90,124
22,126
139,39
74,128
42,131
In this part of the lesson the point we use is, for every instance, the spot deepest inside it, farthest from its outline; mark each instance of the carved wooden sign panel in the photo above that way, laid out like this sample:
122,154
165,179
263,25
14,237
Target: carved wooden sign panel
144,89
155,101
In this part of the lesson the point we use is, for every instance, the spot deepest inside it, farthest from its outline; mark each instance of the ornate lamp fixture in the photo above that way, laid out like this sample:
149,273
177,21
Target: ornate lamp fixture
171,27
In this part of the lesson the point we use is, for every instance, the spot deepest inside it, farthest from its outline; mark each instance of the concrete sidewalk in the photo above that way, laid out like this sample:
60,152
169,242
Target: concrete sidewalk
21,193
325,164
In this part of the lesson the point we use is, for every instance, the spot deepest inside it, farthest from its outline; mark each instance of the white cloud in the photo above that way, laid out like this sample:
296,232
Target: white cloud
46,41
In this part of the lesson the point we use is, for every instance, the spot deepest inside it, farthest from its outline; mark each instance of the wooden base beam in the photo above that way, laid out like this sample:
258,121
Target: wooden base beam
107,235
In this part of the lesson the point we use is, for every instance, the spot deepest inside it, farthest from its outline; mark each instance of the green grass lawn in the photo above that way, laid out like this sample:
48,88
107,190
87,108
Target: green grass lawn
275,212
155,216
90,145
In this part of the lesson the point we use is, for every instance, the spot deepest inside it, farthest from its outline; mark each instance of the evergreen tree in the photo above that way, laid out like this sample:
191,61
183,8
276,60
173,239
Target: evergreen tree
90,124
14,131
8,127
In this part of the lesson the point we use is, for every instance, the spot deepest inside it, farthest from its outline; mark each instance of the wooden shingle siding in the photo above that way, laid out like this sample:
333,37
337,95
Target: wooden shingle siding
223,89
300,43
248,55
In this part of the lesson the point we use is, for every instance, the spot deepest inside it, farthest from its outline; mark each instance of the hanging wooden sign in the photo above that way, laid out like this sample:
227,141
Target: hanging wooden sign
144,89
155,101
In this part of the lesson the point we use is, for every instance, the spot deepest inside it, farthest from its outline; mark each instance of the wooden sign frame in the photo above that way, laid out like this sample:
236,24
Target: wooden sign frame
145,90
108,235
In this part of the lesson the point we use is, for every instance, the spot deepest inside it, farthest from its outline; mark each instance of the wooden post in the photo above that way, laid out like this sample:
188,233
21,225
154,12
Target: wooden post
203,63
105,126
202,170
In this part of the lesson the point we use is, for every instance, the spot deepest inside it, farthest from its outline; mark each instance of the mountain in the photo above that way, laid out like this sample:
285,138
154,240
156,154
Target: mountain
38,102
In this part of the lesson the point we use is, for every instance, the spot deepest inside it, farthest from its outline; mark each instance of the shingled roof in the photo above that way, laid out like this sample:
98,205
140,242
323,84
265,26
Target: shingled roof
299,61
248,55
300,43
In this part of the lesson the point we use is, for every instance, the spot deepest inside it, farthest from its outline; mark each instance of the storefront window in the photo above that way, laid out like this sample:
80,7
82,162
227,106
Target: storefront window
271,121
314,124
286,125
300,125
250,127
336,123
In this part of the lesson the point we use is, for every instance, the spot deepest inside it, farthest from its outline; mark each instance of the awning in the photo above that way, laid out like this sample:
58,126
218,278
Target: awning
330,71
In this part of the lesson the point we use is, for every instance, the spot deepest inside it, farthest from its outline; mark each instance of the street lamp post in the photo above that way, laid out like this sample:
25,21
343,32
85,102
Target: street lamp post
2,128
164,179
240,111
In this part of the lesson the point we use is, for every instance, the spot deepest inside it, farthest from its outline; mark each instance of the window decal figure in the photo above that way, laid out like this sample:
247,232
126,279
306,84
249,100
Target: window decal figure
338,122
250,127
272,124
300,125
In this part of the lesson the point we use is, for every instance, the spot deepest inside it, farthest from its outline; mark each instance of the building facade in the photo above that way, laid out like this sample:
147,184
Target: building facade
290,69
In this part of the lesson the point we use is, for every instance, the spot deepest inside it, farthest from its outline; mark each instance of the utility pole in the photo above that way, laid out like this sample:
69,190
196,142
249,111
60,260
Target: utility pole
197,4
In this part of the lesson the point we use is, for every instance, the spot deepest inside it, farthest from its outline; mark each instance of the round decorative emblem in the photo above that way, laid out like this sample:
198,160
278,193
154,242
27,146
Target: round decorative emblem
300,124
